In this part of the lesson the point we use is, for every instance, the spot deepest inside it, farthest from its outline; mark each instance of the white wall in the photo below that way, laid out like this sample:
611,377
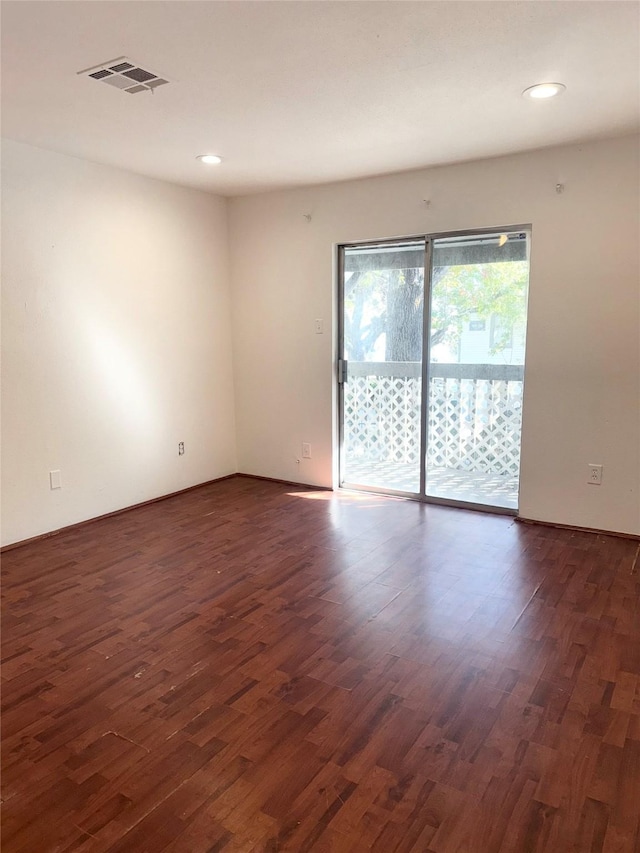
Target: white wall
582,381
116,340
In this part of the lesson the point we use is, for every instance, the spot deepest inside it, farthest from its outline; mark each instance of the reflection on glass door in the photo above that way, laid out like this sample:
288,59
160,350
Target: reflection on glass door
381,365
476,366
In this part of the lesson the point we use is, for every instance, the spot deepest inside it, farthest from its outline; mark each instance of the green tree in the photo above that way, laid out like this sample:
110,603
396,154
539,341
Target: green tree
479,290
391,301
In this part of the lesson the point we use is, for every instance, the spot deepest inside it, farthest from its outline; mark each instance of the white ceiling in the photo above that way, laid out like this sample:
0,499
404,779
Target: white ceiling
295,93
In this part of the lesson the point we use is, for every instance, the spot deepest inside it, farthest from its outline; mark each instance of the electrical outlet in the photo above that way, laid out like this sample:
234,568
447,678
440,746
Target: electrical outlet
595,475
181,448
319,324
306,450
55,480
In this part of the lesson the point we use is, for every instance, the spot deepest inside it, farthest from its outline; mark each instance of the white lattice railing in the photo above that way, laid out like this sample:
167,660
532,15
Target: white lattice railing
474,415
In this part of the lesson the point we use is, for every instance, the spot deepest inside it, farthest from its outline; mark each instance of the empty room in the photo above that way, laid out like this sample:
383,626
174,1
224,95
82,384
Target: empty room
320,426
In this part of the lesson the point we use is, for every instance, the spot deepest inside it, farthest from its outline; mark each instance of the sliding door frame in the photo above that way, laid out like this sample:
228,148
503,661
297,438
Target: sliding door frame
339,378
426,364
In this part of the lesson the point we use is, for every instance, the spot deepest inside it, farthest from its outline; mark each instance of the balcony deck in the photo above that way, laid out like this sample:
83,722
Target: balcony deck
450,483
474,423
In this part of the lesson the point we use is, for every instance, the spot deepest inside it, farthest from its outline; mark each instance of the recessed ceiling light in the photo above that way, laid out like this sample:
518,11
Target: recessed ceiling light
544,90
210,159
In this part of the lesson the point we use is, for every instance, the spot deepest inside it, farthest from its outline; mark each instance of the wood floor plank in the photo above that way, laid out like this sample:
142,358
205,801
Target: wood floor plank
256,667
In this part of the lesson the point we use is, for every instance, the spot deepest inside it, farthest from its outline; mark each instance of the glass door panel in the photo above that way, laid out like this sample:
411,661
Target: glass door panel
382,315
478,312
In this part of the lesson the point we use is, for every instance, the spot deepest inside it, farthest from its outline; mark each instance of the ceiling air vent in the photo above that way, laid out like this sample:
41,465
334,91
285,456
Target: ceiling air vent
124,75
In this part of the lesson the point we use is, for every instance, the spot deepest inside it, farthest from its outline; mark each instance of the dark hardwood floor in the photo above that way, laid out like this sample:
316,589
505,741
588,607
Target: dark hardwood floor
251,667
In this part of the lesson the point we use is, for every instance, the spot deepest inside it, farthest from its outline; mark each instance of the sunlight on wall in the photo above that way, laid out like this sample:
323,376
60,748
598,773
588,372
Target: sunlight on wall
118,372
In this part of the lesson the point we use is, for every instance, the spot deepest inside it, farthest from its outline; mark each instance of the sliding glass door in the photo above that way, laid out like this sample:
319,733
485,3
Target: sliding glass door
381,364
447,313
476,367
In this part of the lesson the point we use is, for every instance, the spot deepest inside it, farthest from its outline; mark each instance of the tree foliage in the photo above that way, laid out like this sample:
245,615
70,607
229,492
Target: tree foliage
479,290
391,302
